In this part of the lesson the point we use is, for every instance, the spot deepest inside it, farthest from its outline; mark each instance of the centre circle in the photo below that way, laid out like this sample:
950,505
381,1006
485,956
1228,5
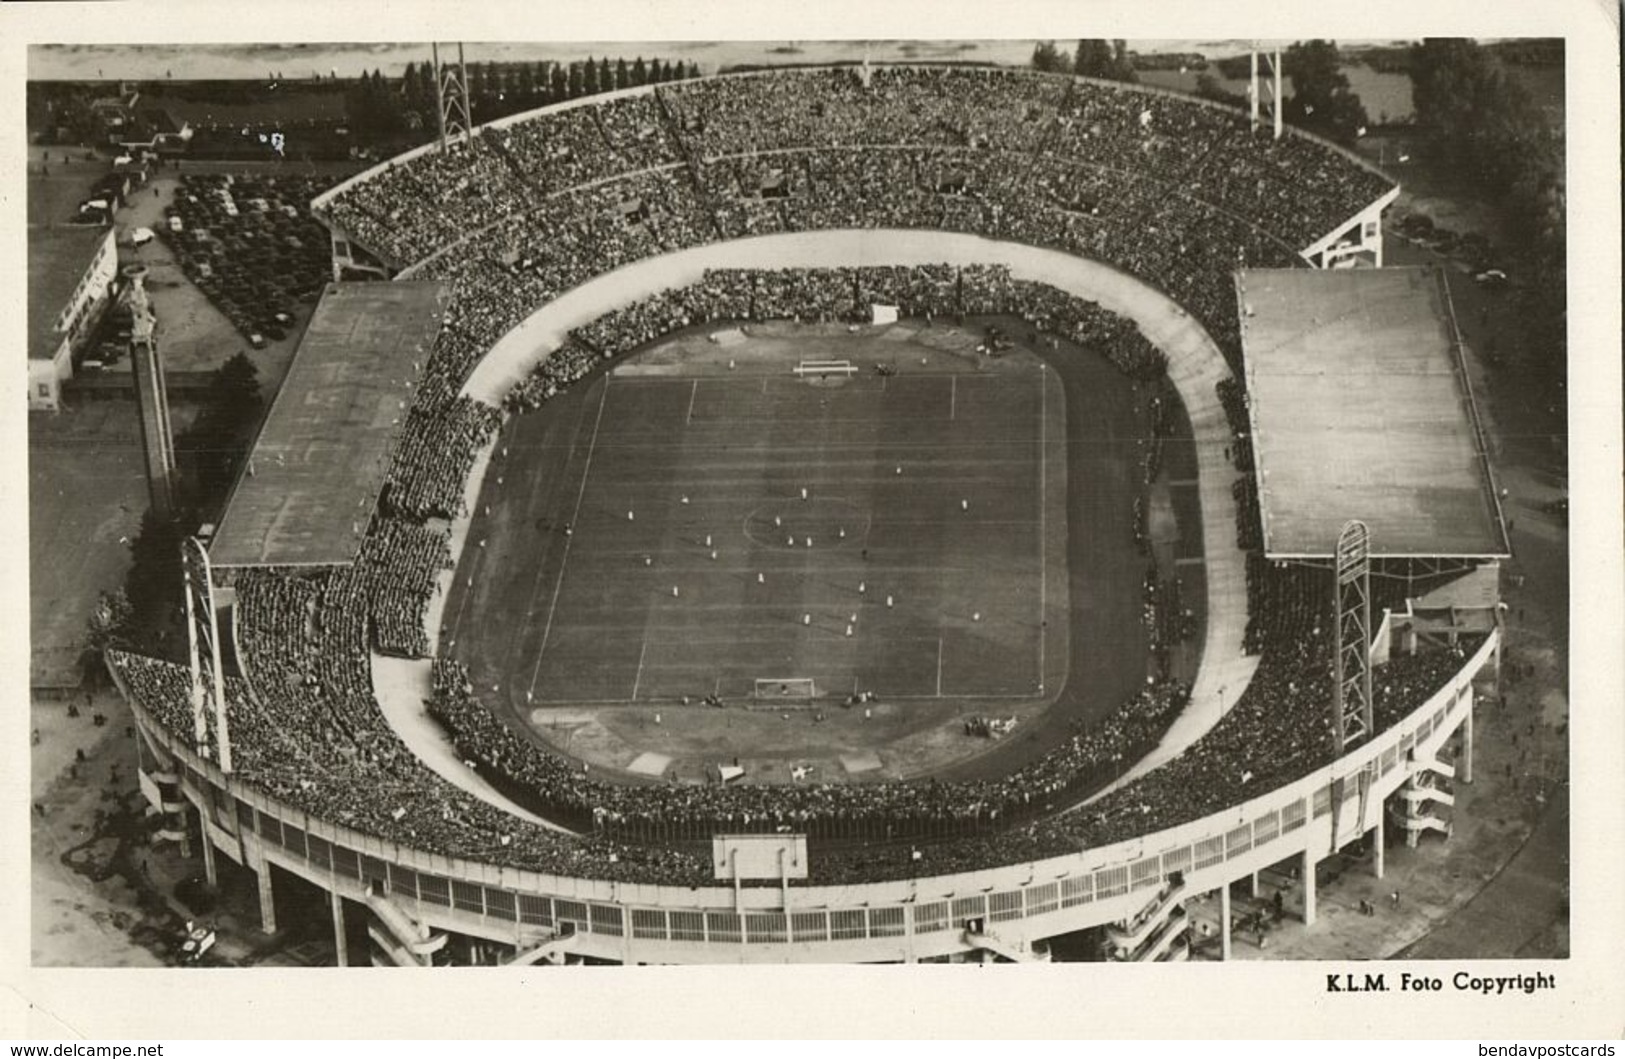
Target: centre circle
826,521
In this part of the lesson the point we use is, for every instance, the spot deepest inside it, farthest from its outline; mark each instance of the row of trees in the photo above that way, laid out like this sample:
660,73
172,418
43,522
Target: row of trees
1487,126
382,108
1107,59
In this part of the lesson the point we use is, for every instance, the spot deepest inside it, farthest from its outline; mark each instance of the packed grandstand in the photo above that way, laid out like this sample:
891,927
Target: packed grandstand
1172,190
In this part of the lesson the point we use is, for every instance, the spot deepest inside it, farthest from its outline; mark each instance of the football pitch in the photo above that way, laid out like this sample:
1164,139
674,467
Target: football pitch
644,539
878,534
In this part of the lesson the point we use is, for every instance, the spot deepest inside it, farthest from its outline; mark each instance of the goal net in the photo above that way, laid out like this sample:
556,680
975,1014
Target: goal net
821,368
785,688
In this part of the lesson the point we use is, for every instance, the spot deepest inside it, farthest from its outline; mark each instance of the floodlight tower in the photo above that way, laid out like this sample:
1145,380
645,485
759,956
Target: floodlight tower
451,97
1272,85
1351,716
203,644
1352,720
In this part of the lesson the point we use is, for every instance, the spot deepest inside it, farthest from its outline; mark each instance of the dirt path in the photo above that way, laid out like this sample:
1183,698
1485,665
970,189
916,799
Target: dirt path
90,842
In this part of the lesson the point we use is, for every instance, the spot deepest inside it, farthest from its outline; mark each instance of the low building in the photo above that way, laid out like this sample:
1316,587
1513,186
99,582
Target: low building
71,269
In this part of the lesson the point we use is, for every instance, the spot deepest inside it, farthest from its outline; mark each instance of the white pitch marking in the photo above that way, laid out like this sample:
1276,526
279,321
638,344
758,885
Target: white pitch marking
638,679
1043,535
575,516
692,390
939,667
953,397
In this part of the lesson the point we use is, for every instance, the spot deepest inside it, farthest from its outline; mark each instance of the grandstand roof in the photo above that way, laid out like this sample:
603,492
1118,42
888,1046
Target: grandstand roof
310,487
1360,410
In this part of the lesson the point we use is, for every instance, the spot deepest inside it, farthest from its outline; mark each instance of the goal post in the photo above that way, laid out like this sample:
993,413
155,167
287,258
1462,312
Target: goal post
821,368
785,688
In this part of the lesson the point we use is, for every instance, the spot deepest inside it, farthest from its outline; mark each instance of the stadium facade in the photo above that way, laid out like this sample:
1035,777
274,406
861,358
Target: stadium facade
1169,190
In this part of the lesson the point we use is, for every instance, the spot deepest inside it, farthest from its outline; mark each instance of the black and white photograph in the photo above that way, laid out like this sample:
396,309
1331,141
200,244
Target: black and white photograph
530,504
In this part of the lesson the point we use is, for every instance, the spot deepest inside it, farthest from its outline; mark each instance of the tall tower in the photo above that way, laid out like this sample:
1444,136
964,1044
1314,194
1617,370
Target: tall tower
1352,718
151,394
451,94
1271,86
203,647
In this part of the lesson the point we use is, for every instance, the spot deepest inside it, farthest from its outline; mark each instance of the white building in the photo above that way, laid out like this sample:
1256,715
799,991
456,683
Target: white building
70,277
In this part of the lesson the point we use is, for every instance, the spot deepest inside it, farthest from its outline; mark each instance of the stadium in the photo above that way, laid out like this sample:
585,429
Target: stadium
842,514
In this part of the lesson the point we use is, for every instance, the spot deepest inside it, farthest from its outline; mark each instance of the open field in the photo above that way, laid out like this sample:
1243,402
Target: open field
579,635
86,493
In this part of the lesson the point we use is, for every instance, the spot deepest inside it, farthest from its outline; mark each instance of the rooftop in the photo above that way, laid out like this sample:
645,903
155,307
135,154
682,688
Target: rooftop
1360,410
58,257
311,484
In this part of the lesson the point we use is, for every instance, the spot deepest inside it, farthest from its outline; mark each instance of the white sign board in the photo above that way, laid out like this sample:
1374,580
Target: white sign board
759,856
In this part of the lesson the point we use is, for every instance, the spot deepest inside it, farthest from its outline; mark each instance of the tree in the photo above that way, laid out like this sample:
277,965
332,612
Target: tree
1210,87
578,81
219,438
235,388
1488,130
640,72
153,585
108,621
1048,59
1122,62
1108,59
478,85
1321,99
558,85
623,77
418,95
1093,58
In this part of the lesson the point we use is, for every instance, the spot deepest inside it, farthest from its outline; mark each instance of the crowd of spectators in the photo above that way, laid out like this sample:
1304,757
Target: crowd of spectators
1288,604
1233,399
557,370
1249,527
435,453
924,292
1086,324
1172,189
1168,621
402,560
993,109
562,789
